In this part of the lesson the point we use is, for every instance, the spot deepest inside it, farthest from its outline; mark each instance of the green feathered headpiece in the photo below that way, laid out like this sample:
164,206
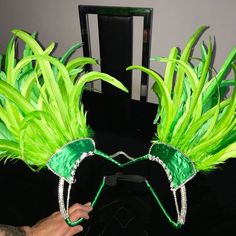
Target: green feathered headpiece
196,116
196,119
40,102
43,121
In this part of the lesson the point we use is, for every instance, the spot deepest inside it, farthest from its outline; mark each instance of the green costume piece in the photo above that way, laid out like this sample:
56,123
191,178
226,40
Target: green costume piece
64,162
43,122
179,168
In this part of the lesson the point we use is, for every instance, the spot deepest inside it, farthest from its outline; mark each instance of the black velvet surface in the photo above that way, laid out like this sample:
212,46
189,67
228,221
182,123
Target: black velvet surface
128,208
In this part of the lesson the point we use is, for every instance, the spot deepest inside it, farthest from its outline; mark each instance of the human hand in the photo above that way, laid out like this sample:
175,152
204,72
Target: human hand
55,225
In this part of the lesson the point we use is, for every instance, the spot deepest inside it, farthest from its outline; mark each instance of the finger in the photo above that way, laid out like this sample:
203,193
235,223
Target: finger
74,230
86,207
88,204
75,215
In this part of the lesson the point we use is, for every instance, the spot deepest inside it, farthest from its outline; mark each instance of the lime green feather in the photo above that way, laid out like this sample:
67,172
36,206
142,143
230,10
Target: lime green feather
184,58
15,97
212,85
194,113
166,100
10,59
40,108
196,98
69,52
10,148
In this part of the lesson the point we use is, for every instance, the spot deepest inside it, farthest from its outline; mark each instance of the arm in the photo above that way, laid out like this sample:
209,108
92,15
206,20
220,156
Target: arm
52,225
8,230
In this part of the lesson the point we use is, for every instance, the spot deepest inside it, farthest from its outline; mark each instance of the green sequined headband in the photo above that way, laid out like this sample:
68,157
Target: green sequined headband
179,170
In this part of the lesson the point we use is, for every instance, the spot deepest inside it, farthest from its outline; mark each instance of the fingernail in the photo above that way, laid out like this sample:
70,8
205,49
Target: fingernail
81,228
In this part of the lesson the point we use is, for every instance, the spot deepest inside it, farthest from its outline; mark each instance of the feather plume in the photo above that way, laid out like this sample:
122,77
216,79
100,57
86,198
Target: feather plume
40,101
193,114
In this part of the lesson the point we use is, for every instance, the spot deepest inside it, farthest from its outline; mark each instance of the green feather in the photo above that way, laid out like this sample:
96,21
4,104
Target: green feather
184,58
69,52
203,118
164,94
40,107
214,83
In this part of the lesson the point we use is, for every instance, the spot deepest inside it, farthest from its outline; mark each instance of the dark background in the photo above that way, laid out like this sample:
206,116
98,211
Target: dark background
128,208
